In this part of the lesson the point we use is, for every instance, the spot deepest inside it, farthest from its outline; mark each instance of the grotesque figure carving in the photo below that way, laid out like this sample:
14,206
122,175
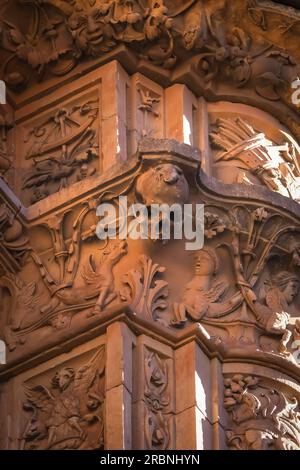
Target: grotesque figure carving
163,184
201,23
271,309
63,419
102,279
203,291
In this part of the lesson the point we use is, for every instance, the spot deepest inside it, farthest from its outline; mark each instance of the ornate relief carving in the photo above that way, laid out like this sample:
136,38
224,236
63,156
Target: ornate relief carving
243,63
67,284
145,291
272,310
62,149
247,156
6,124
261,12
68,412
62,33
203,292
262,417
162,32
148,105
271,304
99,280
24,305
163,184
157,431
295,346
13,242
102,279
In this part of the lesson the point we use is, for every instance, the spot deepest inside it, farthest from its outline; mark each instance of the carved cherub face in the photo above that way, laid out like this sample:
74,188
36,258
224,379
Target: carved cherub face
163,184
63,379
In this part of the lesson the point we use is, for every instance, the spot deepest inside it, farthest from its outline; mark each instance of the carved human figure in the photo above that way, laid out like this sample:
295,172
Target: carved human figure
202,291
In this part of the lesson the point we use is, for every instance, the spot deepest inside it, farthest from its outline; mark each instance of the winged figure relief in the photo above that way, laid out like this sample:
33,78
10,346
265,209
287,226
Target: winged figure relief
68,414
203,292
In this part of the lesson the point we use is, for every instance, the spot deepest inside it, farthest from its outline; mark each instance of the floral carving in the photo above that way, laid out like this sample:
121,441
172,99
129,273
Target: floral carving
262,418
63,145
157,401
145,291
68,414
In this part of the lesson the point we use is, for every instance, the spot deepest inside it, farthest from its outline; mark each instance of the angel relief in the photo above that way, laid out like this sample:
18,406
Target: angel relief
69,414
203,292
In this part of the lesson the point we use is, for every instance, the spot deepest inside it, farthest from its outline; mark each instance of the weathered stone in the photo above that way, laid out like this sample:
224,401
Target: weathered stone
139,343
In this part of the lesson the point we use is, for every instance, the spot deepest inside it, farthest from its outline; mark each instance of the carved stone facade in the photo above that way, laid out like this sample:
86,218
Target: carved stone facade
139,343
